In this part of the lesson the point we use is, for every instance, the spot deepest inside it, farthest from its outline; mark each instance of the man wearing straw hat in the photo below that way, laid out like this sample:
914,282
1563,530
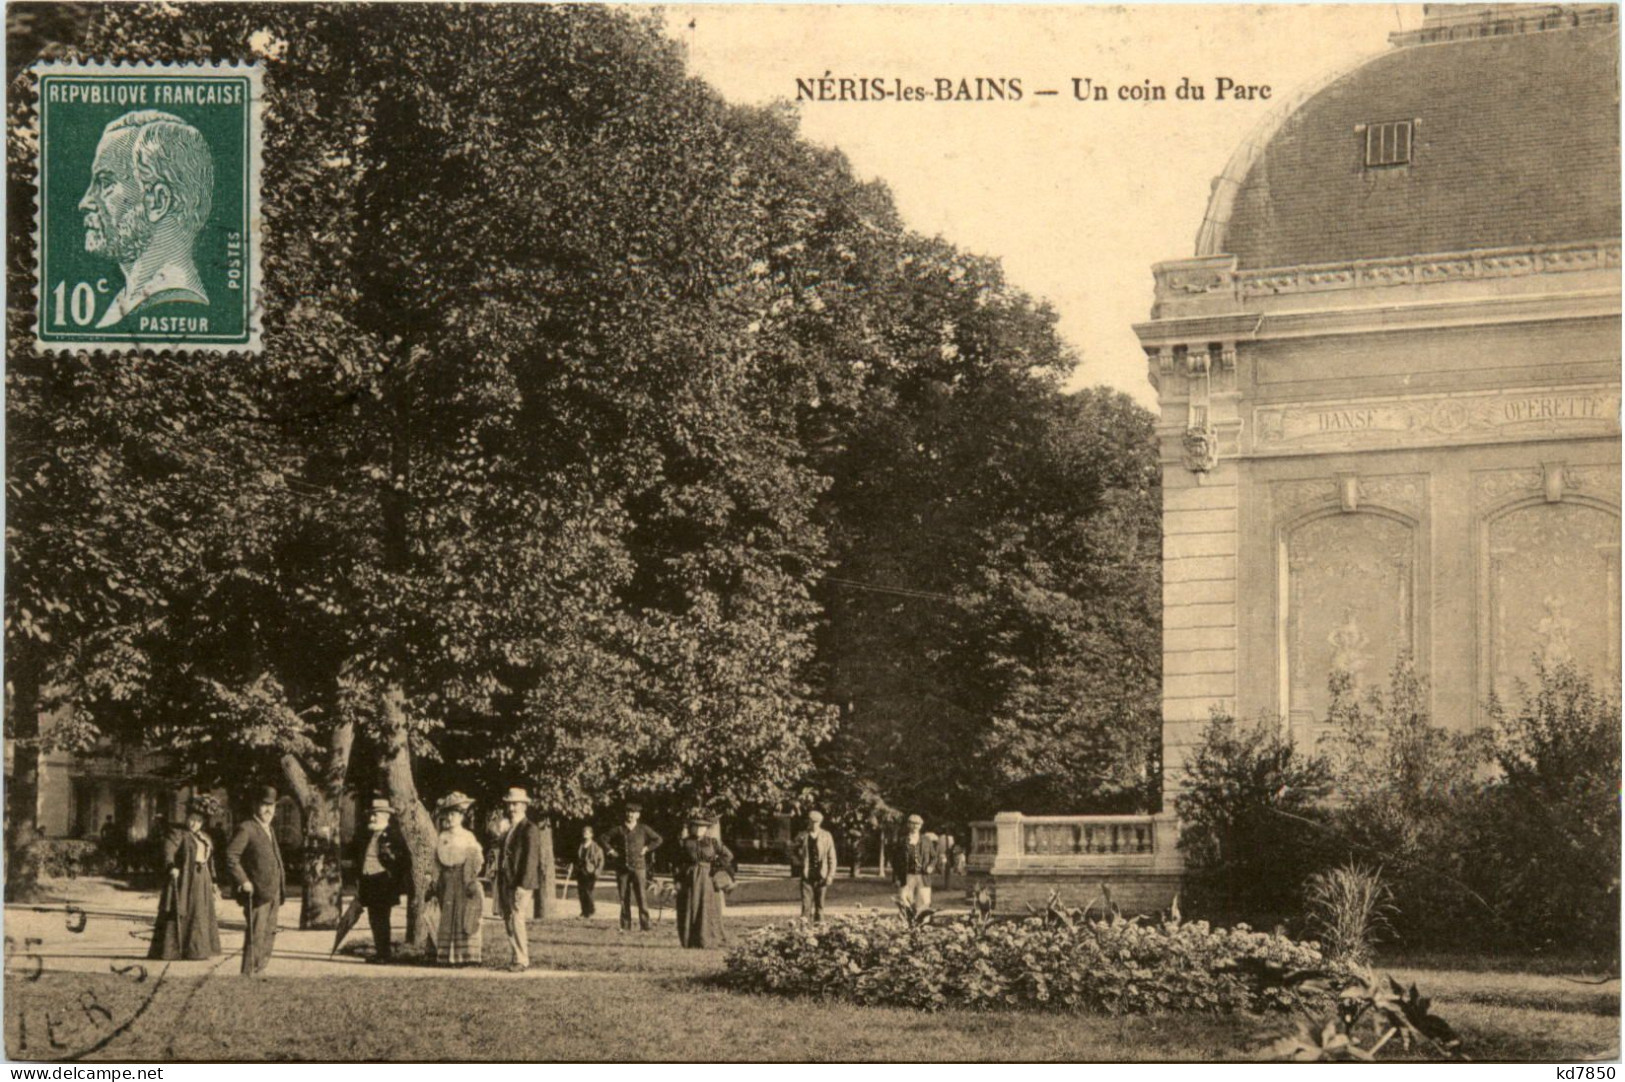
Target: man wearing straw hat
254,860
383,866
518,875
914,859
812,858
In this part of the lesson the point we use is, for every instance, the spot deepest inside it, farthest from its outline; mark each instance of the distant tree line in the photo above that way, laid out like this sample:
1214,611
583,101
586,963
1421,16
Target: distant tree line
607,438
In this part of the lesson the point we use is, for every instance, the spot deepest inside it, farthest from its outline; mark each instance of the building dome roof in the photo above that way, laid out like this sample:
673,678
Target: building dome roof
1514,141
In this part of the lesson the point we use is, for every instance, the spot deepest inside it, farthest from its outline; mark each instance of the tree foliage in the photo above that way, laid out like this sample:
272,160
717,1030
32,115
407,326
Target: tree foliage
1553,867
576,383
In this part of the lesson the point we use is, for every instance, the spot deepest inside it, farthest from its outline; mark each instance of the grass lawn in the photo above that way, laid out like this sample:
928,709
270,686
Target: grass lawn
685,1013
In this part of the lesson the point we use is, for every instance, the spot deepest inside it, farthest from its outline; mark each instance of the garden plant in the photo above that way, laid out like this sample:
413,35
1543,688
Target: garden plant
1113,965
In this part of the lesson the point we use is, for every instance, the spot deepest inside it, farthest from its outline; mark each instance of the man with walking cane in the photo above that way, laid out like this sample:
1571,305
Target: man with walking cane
254,860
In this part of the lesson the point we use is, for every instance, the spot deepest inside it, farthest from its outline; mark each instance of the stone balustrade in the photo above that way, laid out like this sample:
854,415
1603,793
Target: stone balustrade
1027,856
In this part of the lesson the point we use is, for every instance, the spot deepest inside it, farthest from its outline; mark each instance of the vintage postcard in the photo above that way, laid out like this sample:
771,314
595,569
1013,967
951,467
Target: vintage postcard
735,533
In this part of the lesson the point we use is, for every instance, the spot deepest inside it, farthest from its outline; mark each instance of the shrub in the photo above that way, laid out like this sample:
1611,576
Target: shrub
1252,823
67,858
1349,908
1412,796
1113,966
1555,827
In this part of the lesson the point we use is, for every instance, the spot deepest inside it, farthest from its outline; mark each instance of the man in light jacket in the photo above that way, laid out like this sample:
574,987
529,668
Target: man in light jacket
915,858
812,860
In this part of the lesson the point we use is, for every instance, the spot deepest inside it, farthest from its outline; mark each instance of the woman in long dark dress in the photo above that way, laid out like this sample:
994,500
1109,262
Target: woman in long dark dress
699,903
186,926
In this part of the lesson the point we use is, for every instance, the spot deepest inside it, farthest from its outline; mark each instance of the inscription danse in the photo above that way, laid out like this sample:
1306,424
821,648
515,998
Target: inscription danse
1347,420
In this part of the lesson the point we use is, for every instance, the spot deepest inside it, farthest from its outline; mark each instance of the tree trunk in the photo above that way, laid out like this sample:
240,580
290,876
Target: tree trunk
417,825
548,909
320,905
22,788
395,755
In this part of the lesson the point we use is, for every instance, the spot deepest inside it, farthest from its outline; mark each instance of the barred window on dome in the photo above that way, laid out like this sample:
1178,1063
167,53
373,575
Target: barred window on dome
1388,144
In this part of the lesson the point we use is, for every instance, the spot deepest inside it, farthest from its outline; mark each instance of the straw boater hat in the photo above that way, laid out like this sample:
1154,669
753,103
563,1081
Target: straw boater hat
379,804
698,818
916,820
453,802
516,796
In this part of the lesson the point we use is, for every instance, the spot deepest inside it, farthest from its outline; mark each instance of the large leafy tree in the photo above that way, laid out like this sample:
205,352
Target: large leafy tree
521,472
992,635
576,381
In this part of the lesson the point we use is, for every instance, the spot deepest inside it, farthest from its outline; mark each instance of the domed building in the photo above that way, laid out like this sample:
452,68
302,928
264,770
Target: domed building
1389,382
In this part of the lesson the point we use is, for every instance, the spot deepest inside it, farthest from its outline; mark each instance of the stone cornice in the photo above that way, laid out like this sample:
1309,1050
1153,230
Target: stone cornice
1437,267
1372,318
1211,287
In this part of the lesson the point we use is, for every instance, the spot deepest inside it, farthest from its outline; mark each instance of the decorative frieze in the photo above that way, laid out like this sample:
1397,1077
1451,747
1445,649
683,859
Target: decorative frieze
1405,493
1445,267
1398,492
1218,275
1551,480
1491,487
1291,497
1426,420
1602,482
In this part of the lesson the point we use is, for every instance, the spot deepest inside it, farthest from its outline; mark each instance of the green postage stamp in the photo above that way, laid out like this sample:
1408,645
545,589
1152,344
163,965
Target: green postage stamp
147,233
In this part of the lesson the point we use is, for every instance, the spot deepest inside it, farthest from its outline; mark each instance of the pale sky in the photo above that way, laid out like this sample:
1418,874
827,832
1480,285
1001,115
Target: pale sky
1077,199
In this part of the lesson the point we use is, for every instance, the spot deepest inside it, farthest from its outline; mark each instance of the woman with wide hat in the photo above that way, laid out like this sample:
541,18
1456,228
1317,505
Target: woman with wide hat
186,926
700,858
458,857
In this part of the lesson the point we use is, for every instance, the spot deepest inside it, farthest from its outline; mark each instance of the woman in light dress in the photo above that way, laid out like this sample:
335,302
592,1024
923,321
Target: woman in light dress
458,857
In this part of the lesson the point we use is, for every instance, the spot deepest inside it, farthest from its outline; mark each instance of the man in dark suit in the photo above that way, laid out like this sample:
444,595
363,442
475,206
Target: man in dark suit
627,847
914,859
383,865
812,860
254,862
518,876
589,862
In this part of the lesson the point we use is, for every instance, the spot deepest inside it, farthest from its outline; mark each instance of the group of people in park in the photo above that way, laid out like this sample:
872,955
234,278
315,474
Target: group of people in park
187,927
703,874
914,857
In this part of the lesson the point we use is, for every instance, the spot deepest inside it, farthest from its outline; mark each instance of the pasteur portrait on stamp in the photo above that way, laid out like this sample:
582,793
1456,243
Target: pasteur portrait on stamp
148,217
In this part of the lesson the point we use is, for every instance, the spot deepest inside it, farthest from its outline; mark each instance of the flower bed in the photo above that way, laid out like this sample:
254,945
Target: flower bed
1116,966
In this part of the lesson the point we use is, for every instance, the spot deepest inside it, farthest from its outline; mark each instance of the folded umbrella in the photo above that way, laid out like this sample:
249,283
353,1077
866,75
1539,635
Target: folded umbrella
351,917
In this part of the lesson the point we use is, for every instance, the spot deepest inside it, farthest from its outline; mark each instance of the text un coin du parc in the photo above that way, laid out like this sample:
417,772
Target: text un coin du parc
1011,88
